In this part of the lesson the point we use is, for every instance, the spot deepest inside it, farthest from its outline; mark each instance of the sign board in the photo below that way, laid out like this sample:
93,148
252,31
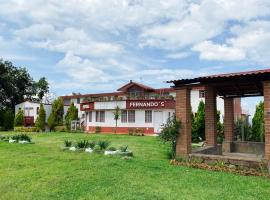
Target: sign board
150,104
87,106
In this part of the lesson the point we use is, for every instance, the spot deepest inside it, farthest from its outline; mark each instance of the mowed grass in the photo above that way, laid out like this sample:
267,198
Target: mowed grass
43,171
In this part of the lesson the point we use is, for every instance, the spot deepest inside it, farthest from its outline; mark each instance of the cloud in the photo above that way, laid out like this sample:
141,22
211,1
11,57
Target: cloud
179,55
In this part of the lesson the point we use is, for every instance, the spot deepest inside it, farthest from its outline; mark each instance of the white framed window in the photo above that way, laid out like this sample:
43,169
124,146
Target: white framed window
90,116
100,116
148,116
131,116
201,93
123,116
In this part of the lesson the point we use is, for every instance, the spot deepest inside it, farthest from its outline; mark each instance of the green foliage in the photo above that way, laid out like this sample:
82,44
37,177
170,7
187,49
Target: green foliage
116,114
198,124
41,87
41,119
97,129
72,114
242,130
21,137
92,144
220,129
56,116
258,123
103,144
6,119
25,129
67,143
19,117
60,129
123,148
82,144
111,149
170,132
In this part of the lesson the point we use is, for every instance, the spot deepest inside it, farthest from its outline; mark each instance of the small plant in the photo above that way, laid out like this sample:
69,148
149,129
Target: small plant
92,144
97,149
103,144
82,144
124,148
24,137
98,129
67,143
111,149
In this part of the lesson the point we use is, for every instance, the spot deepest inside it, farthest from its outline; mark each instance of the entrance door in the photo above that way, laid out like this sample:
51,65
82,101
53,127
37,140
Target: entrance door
158,121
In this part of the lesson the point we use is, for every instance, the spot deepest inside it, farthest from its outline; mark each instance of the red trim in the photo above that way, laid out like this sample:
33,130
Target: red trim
120,130
87,106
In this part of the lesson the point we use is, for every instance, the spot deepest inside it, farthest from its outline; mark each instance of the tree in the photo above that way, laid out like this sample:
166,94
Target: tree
170,132
72,114
220,129
19,117
41,87
56,116
116,114
41,119
6,119
258,123
198,125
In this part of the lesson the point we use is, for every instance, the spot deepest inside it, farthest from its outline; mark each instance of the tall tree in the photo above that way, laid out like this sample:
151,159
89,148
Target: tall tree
6,119
41,119
199,122
72,114
41,87
56,116
19,117
258,123
116,114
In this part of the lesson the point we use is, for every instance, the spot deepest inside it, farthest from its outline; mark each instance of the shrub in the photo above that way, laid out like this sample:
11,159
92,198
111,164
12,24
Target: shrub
111,149
258,124
56,116
21,137
18,120
103,144
72,114
82,144
97,129
6,119
25,129
41,119
92,144
60,129
67,143
170,132
97,149
136,131
123,148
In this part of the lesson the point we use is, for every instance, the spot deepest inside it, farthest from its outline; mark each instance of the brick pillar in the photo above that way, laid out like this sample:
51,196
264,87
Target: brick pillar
211,116
183,113
228,124
266,92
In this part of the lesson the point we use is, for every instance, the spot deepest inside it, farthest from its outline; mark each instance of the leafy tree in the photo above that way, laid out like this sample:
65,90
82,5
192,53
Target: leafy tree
72,114
116,114
19,117
41,119
220,129
170,132
41,87
198,125
258,123
242,129
56,116
6,119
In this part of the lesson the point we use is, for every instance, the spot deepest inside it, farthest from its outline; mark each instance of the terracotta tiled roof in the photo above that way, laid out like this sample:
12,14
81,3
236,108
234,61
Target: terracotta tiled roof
131,83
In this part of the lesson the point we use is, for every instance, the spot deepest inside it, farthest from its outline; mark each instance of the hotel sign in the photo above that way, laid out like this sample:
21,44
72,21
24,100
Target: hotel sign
150,104
87,106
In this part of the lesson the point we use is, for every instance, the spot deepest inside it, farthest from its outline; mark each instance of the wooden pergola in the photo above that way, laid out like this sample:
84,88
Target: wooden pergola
228,86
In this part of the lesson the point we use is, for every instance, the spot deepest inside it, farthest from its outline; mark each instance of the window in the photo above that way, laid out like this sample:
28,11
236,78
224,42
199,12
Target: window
37,110
90,116
100,116
169,115
78,100
201,93
124,116
131,116
148,116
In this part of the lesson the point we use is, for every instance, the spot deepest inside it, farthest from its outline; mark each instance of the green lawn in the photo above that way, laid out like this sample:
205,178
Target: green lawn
43,171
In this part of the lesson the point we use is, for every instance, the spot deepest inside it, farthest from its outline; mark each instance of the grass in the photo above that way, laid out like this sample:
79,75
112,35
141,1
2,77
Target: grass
43,171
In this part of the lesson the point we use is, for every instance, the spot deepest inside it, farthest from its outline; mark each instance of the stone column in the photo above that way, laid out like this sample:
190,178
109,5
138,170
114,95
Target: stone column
228,124
211,116
183,113
266,92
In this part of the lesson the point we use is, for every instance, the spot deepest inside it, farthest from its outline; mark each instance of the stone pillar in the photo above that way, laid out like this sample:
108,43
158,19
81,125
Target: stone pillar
228,124
183,113
266,92
211,116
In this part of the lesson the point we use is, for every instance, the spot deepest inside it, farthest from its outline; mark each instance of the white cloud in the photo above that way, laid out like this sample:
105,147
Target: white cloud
178,55
210,51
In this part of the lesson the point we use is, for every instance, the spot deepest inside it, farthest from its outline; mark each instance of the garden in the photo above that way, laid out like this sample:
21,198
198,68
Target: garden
44,170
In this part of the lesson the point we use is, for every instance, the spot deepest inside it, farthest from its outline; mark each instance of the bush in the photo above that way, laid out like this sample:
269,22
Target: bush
82,144
170,132
103,144
60,129
136,131
97,149
6,119
111,149
25,129
92,144
67,143
41,119
18,120
21,137
72,114
97,129
123,148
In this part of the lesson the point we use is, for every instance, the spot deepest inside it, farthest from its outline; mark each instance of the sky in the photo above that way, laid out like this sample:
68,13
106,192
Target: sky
91,46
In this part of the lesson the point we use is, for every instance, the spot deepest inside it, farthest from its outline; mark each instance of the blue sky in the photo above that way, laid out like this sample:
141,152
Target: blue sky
96,45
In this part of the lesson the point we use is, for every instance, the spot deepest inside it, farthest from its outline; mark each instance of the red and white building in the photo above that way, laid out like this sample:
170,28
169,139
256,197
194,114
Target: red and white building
140,106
